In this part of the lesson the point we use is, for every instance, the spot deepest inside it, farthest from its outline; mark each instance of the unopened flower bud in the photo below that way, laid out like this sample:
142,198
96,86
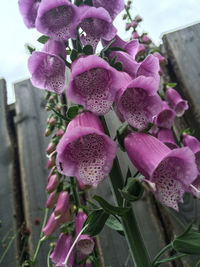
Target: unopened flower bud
52,120
52,146
53,183
138,18
135,35
51,161
134,24
124,16
128,26
52,199
62,204
61,131
51,226
48,130
146,39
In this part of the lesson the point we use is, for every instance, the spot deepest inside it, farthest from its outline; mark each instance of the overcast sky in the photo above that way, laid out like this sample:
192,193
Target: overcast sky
159,16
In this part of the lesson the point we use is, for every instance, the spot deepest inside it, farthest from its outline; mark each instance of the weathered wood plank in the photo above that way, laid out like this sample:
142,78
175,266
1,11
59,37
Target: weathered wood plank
6,200
182,49
30,124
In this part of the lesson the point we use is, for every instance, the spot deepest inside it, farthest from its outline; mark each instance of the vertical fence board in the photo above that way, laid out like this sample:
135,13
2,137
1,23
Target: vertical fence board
182,49
30,124
6,205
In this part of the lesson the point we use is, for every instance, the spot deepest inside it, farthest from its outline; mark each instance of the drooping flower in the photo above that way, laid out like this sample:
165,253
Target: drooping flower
165,117
166,136
58,19
47,68
85,243
168,172
148,68
114,7
97,24
84,151
136,105
29,10
162,60
141,50
94,84
130,47
194,144
176,101
61,250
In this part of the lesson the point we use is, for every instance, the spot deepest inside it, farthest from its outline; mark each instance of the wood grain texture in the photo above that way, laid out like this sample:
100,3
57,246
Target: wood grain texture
30,124
183,52
6,201
182,49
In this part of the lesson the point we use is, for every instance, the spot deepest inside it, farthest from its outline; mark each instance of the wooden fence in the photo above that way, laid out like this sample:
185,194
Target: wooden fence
23,170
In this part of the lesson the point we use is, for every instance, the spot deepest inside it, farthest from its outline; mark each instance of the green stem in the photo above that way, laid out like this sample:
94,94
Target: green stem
74,190
48,257
198,264
170,259
9,244
128,13
161,252
41,235
132,233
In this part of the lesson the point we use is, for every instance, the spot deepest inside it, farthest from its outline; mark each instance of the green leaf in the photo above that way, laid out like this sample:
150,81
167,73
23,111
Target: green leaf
121,133
43,39
88,50
88,2
133,190
106,47
30,48
78,45
118,66
110,209
95,222
116,48
114,224
172,85
72,112
74,55
188,243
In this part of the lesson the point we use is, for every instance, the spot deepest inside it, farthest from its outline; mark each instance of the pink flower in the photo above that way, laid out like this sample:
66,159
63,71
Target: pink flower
85,244
52,183
168,172
47,68
166,136
114,7
176,101
58,19
61,250
62,204
136,104
28,10
94,84
97,24
165,117
84,151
